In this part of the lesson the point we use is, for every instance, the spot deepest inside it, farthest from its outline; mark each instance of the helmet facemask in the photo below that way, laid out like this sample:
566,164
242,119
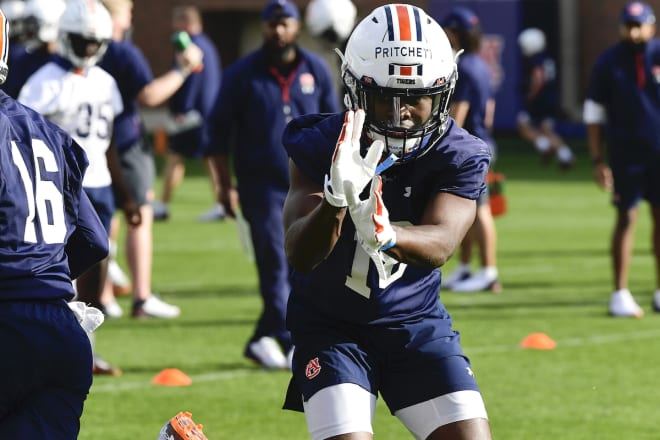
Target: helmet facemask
83,51
408,120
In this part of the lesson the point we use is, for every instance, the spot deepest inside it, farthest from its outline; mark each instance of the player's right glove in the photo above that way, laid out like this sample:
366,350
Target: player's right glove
182,427
347,163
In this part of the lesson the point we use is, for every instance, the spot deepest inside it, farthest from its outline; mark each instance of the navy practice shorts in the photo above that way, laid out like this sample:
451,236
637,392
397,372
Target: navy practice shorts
103,202
139,172
46,370
634,181
406,363
189,144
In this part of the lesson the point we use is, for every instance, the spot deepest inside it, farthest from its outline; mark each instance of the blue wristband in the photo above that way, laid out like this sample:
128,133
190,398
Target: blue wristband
389,245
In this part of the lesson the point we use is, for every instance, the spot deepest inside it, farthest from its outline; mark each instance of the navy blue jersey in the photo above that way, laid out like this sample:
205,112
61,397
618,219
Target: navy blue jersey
199,93
255,105
22,64
545,104
627,83
474,86
44,214
345,286
127,65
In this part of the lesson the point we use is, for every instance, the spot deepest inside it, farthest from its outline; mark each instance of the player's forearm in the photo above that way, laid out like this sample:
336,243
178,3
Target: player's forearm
426,246
311,238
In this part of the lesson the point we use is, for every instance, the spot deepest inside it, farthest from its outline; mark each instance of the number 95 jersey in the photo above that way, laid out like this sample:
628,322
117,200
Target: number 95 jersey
346,285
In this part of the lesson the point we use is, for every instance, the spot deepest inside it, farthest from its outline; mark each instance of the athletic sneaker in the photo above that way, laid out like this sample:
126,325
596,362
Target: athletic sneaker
154,307
102,367
161,211
484,280
182,427
112,310
215,214
623,304
656,301
121,284
460,273
267,352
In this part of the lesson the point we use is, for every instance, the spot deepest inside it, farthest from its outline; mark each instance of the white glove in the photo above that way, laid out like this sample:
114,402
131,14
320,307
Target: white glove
372,224
347,163
89,318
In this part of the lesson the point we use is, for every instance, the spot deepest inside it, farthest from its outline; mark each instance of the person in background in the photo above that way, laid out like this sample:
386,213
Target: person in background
622,111
76,94
190,107
37,42
128,66
380,198
259,95
540,100
473,108
49,235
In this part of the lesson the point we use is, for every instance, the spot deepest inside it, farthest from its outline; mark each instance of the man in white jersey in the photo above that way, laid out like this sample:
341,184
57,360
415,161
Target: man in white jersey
83,99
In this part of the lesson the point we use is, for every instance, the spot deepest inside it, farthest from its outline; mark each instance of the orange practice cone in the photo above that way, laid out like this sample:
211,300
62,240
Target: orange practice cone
171,377
538,341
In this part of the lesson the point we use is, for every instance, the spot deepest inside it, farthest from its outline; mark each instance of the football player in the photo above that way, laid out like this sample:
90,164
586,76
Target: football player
366,239
49,234
82,98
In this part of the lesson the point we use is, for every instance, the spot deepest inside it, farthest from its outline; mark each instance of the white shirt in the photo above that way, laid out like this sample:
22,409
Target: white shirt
84,105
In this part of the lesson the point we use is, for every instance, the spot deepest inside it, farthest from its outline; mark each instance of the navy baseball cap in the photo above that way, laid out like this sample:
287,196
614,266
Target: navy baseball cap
461,18
637,12
276,9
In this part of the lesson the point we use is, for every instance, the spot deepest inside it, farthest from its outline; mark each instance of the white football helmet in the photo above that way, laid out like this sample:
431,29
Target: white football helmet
531,41
41,21
85,32
396,54
331,19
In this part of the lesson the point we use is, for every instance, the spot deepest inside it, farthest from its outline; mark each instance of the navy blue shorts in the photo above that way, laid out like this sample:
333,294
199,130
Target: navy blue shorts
46,371
103,202
407,364
635,181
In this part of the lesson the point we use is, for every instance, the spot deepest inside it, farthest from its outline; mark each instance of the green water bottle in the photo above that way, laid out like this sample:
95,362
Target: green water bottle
181,40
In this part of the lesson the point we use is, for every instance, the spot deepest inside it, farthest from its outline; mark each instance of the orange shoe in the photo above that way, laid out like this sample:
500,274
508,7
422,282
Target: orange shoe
182,427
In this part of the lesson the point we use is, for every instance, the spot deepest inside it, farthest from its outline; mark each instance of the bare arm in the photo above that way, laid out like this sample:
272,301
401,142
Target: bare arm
445,222
162,88
602,172
228,195
312,226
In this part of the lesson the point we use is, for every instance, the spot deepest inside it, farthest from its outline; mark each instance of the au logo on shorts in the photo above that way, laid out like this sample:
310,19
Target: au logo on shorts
313,368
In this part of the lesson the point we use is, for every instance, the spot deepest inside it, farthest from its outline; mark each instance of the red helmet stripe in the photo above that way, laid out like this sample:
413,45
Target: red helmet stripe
4,37
405,33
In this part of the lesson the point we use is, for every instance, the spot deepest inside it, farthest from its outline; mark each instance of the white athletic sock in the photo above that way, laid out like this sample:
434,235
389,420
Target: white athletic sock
542,144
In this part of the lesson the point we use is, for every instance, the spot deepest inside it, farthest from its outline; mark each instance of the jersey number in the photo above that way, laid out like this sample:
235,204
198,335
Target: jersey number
357,279
43,197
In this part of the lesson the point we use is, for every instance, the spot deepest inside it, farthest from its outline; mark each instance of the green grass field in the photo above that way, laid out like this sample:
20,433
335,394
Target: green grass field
599,383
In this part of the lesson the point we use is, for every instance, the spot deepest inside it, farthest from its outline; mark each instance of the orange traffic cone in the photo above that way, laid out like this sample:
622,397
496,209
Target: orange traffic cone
171,377
538,341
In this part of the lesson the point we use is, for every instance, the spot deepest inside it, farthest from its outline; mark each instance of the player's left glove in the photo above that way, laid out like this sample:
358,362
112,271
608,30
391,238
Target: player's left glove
372,223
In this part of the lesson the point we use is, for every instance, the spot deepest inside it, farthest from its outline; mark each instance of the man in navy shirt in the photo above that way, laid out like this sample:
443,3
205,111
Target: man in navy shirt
259,95
190,107
49,235
137,86
366,241
622,110
473,108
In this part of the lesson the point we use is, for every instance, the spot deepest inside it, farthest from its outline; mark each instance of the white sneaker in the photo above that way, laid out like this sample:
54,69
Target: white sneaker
485,279
623,304
267,353
216,213
121,284
460,273
161,211
113,310
154,307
